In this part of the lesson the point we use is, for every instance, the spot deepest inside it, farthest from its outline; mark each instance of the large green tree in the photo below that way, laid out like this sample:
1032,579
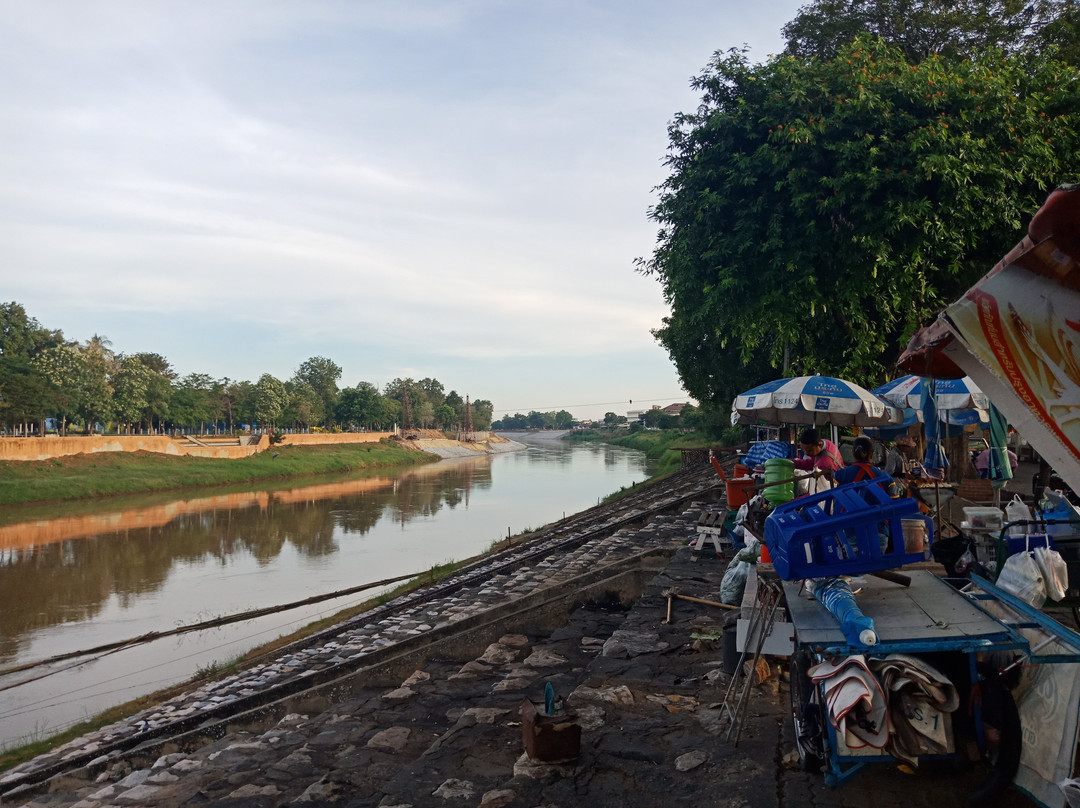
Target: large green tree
271,399
321,375
922,28
819,210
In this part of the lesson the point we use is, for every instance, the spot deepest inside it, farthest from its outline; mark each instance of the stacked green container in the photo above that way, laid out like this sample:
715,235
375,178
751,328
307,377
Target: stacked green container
779,468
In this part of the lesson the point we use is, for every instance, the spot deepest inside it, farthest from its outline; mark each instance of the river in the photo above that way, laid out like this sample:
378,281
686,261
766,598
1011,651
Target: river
78,576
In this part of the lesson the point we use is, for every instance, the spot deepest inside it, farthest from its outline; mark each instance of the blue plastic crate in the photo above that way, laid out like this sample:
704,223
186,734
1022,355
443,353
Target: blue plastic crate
847,530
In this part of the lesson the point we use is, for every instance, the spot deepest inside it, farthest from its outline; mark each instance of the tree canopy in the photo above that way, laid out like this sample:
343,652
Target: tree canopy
818,210
44,376
923,28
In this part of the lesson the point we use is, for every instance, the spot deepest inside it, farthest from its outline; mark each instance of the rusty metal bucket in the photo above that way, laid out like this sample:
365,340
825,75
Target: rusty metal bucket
549,738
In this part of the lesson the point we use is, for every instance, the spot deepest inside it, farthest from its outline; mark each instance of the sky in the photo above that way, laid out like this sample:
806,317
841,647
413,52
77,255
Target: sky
421,188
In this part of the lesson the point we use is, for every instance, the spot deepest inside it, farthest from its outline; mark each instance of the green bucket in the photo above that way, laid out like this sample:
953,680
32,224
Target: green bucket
779,468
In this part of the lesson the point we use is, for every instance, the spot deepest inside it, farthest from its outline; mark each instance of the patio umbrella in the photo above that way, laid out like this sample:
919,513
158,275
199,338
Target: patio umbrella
813,400
949,394
1000,467
935,455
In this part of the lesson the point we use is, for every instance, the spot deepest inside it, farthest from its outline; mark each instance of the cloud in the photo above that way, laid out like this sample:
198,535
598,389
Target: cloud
467,181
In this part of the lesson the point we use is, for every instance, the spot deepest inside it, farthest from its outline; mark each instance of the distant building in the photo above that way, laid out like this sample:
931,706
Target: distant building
634,415
676,409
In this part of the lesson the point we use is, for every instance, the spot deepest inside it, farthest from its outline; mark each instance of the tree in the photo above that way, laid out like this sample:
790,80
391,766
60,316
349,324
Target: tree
95,400
363,405
458,403
922,28
64,366
159,389
25,393
195,401
305,405
131,385
482,410
445,416
433,391
818,211
321,375
563,420
271,398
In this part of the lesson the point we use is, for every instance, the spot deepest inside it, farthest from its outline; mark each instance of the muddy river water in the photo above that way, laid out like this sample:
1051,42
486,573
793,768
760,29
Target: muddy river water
80,576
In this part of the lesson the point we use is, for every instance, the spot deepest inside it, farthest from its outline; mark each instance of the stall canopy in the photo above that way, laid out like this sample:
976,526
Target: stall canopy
1016,333
814,400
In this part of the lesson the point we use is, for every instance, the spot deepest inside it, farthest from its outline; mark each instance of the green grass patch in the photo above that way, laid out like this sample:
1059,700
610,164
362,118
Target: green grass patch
660,446
105,474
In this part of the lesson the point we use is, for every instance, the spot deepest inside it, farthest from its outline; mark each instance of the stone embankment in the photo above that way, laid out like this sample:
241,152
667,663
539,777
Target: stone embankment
418,703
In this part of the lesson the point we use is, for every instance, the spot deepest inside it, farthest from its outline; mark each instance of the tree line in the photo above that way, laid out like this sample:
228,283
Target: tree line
823,205
86,386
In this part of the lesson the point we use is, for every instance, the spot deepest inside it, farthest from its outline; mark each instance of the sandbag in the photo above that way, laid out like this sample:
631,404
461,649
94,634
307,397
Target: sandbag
734,582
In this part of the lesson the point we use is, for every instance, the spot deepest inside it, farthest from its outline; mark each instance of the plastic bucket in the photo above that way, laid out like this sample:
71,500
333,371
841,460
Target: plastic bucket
742,470
914,535
738,491
779,468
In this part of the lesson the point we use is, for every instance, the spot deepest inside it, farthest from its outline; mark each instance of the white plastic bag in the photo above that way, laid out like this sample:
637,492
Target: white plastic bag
1015,511
1020,576
1054,571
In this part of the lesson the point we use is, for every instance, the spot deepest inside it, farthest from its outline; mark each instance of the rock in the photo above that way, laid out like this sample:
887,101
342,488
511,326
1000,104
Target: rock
393,739
691,760
140,795
455,789
497,798
136,778
416,678
542,658
321,791
510,684
485,715
497,654
514,640
524,766
252,790
161,778
625,644
611,695
590,716
400,694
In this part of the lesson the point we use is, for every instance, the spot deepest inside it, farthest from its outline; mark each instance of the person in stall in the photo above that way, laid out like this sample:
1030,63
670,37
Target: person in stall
897,459
862,468
819,454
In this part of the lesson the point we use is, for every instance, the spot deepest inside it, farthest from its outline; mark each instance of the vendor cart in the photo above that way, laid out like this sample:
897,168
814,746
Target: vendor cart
961,633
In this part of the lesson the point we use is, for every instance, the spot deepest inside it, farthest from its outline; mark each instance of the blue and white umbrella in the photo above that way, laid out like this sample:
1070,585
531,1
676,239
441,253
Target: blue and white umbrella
814,400
949,394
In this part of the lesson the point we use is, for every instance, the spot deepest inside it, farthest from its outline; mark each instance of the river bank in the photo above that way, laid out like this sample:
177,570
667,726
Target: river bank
110,473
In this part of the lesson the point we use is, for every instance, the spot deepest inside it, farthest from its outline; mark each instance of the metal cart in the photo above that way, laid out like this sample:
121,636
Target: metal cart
929,618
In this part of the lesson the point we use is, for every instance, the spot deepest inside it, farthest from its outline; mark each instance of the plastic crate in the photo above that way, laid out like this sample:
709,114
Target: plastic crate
847,530
983,518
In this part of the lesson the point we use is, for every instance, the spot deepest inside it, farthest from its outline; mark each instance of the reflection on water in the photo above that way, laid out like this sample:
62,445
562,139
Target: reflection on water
114,571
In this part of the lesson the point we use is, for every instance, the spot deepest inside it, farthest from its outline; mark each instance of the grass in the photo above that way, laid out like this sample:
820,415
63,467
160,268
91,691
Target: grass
658,445
104,474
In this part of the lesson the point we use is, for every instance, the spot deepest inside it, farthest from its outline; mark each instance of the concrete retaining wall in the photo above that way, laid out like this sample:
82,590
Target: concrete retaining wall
46,448
325,438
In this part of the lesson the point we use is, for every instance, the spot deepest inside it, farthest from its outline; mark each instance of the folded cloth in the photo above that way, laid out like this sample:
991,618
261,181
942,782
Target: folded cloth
855,703
920,700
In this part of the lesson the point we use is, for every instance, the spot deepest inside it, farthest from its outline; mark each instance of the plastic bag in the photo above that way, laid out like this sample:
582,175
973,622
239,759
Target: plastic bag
964,562
1017,511
734,582
1020,576
1054,571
